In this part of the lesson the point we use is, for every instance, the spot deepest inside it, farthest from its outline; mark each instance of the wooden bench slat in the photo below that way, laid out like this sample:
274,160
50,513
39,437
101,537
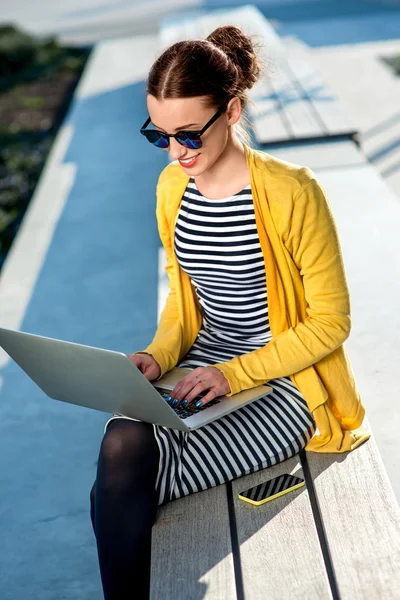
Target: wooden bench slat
297,110
279,548
362,521
266,114
325,104
322,155
191,549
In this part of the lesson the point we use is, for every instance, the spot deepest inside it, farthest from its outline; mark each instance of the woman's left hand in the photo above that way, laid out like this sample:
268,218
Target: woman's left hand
197,382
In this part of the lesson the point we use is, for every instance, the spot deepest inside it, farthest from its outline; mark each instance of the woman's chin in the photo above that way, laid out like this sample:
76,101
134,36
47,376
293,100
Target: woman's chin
195,171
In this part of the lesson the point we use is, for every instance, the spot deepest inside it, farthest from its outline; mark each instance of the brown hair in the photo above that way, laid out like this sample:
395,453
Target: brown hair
220,67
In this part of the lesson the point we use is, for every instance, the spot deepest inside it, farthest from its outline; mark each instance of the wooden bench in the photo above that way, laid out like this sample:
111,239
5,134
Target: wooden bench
290,102
337,537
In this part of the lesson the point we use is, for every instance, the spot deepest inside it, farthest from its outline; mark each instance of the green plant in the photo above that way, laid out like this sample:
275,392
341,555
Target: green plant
16,49
36,85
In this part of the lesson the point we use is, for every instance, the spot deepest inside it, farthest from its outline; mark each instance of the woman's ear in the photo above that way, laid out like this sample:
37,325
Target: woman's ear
234,110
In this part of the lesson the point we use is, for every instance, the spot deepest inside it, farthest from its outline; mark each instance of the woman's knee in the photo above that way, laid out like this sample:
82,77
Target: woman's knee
127,438
128,447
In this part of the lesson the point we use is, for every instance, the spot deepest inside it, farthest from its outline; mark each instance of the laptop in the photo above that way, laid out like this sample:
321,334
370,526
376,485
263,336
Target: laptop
108,381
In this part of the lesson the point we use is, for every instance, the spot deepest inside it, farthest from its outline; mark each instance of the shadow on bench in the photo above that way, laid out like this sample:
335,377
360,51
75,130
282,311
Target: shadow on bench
336,537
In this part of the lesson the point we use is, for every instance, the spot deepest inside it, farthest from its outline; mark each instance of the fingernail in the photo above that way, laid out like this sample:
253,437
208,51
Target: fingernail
199,403
168,399
184,402
175,402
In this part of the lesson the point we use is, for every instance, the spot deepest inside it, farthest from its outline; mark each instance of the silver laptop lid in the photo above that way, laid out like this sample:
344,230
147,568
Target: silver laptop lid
93,377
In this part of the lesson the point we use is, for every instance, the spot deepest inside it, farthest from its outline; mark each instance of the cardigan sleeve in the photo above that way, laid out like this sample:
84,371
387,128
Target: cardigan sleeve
167,341
312,240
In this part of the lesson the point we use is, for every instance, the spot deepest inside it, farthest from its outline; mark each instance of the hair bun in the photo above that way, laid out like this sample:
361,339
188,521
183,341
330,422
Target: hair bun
240,50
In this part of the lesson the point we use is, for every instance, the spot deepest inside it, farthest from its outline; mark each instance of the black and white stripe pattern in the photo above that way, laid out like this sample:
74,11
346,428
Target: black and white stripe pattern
217,244
251,438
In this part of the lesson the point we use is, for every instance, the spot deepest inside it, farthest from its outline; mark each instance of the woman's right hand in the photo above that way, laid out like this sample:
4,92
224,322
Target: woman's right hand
147,364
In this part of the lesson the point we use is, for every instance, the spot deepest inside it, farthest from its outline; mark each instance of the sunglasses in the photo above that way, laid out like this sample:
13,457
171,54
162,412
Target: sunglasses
188,139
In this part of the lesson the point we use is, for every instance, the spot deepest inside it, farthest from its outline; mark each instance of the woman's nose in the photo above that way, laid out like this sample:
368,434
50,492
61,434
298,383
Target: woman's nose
176,150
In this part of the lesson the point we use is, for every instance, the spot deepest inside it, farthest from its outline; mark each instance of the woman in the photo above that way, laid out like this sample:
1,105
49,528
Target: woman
235,222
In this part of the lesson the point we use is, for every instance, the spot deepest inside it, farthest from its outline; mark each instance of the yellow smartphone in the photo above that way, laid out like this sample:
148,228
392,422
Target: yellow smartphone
271,489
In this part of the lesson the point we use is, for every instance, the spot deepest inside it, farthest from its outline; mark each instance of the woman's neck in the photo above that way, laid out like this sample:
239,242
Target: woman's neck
228,175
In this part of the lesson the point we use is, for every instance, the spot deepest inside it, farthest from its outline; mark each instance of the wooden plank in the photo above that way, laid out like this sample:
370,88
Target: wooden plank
295,106
191,549
265,113
325,154
362,521
329,110
279,547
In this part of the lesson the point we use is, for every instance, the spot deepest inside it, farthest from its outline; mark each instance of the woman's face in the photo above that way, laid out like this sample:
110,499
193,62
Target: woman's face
175,114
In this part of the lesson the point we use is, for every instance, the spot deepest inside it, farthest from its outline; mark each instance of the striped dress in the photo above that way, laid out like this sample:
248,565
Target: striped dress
217,245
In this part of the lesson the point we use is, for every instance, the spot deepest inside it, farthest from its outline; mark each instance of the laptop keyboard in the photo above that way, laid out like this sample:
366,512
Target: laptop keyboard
184,412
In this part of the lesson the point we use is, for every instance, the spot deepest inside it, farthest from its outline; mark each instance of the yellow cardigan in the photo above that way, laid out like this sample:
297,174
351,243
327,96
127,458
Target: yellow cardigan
308,298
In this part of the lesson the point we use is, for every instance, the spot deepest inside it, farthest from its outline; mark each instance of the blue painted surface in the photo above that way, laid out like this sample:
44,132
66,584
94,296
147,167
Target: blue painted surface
345,30
98,286
295,10
328,22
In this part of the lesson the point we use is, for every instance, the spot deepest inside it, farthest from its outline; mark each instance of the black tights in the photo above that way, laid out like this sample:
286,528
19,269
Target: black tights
123,507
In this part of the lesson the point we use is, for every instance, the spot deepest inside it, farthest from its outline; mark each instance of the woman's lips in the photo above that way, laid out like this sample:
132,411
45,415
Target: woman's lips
191,163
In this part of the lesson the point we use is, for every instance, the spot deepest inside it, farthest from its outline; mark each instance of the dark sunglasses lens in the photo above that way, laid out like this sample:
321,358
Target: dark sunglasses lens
157,139
189,141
